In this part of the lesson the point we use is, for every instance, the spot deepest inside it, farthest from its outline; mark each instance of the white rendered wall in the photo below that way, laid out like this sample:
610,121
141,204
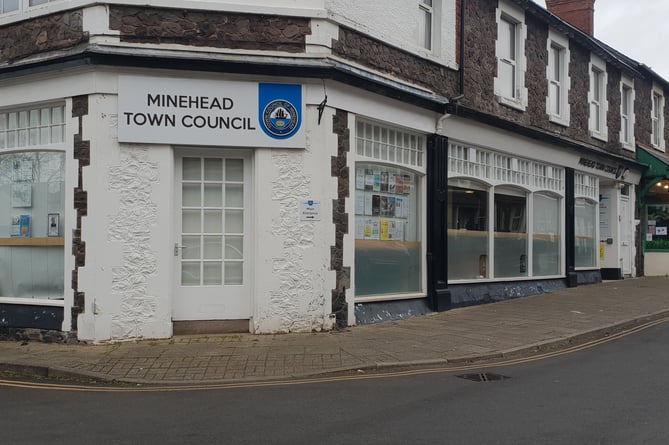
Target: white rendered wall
293,279
126,279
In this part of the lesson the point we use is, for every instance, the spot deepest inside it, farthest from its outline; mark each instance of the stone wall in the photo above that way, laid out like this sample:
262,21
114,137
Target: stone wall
209,29
481,68
40,35
389,60
81,152
340,171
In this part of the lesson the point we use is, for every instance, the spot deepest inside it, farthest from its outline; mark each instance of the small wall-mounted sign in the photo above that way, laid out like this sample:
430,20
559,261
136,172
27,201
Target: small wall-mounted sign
310,211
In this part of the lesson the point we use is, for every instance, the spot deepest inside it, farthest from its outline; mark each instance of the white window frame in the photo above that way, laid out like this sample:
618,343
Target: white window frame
597,99
627,118
657,118
23,6
426,24
385,144
506,13
557,74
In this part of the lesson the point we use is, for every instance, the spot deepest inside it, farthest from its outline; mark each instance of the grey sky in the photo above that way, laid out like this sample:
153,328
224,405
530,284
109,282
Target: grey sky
636,28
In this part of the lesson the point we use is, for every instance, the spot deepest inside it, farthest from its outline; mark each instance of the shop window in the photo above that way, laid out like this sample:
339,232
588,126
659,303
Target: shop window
467,230
389,145
585,224
31,225
657,237
388,249
546,240
510,232
32,127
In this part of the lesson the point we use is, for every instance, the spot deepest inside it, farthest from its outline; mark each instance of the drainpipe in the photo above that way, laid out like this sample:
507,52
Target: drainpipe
461,70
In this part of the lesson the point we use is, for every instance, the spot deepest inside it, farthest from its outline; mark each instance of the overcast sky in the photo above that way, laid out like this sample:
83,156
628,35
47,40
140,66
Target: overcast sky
636,28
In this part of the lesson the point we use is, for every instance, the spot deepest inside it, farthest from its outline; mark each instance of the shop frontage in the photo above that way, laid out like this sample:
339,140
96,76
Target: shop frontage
525,216
208,203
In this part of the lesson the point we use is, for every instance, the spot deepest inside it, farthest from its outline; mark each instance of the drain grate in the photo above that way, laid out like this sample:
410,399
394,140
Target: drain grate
483,377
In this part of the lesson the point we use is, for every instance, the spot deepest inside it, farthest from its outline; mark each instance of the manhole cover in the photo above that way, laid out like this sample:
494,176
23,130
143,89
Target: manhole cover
483,377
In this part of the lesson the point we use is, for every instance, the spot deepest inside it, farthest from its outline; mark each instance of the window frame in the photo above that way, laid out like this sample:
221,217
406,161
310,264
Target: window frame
24,6
597,99
495,172
627,117
657,118
558,44
389,146
426,24
508,14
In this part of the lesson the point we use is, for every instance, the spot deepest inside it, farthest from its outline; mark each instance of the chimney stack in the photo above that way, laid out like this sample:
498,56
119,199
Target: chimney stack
578,13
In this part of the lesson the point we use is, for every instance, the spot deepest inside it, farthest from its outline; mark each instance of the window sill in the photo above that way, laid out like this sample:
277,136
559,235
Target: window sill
389,297
512,103
628,147
599,136
32,242
558,120
658,147
33,301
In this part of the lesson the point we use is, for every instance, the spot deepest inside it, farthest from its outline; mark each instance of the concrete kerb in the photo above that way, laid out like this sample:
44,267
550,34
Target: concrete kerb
535,349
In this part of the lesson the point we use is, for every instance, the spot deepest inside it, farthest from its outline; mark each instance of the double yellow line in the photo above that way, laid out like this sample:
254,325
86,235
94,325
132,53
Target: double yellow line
311,381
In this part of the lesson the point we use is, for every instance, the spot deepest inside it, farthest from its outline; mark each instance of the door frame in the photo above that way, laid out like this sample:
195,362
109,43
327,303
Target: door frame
179,153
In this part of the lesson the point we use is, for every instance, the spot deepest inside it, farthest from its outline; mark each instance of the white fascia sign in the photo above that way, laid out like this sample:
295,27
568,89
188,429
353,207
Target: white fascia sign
161,110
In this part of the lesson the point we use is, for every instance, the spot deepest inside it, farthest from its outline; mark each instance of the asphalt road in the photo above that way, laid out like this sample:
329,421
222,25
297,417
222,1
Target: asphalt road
615,393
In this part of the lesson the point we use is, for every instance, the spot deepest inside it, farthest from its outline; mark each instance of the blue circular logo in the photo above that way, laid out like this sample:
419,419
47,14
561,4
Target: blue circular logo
280,118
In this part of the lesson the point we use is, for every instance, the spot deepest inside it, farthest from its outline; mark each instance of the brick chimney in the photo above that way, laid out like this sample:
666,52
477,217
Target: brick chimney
578,13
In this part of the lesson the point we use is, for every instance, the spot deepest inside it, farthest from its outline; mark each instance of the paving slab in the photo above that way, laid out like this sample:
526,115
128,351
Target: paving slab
517,327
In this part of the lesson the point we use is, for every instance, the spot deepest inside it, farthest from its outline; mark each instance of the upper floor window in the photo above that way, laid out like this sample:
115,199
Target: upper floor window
597,99
657,119
627,113
7,6
510,51
425,28
557,72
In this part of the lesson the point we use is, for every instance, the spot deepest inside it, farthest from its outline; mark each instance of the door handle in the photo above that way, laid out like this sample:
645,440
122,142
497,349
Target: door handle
177,247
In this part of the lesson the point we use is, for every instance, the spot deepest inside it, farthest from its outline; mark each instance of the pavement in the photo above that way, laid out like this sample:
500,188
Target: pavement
481,334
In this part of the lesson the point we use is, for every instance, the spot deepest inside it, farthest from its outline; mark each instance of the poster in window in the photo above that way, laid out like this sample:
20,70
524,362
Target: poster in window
376,205
24,226
392,183
22,170
53,224
21,194
384,181
383,206
16,226
360,178
369,179
377,181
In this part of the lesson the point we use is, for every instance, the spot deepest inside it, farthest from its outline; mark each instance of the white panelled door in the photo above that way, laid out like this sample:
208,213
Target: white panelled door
212,246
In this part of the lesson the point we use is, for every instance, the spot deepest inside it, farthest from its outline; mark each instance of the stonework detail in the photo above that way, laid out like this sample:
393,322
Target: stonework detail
390,60
340,170
81,152
40,35
132,226
300,297
210,29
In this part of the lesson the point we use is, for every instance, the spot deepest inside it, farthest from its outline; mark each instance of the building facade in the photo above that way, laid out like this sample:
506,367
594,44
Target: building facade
298,166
